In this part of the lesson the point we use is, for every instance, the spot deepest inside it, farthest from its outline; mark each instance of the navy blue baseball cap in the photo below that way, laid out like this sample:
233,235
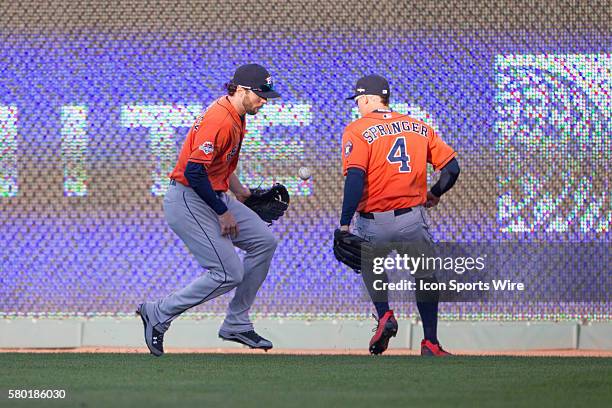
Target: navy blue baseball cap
257,79
371,85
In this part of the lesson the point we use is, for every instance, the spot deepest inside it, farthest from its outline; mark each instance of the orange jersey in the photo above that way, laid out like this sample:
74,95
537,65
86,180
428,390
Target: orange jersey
214,140
393,150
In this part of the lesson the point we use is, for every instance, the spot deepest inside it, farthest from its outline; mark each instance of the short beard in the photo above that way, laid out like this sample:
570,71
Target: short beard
251,111
248,108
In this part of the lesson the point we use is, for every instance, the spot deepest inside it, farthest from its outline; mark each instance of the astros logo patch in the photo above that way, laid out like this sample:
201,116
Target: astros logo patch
207,147
348,148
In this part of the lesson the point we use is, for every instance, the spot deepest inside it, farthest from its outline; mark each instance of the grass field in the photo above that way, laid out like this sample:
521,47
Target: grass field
258,380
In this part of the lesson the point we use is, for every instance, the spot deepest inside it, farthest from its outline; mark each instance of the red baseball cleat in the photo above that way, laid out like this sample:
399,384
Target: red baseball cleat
433,350
385,329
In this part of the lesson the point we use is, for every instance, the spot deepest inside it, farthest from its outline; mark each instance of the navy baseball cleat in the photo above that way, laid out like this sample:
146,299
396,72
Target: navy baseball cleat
248,338
433,350
385,329
153,338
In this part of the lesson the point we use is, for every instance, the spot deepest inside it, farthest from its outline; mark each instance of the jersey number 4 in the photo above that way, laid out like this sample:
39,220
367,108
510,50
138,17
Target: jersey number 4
398,154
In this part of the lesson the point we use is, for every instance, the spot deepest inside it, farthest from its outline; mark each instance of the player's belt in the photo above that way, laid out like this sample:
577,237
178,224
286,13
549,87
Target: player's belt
397,212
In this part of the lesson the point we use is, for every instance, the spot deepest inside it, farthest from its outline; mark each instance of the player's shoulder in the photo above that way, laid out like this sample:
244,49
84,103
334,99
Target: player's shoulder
357,126
417,124
410,118
218,114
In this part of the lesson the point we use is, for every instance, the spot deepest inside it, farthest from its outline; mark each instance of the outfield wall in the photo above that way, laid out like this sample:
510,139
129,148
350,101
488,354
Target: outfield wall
95,103
302,334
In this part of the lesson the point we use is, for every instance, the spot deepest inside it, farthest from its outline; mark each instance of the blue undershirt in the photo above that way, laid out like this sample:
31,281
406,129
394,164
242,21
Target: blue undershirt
196,175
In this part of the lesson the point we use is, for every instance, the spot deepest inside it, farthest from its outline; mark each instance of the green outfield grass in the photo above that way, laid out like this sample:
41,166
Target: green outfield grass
255,380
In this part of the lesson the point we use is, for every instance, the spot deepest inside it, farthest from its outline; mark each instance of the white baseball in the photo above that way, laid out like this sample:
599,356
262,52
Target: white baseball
304,173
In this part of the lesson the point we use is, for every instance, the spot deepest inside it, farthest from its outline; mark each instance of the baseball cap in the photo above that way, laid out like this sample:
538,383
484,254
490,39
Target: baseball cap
257,79
371,85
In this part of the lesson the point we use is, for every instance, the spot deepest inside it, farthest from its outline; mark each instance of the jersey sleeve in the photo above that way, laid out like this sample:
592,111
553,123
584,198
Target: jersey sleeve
438,152
355,152
208,141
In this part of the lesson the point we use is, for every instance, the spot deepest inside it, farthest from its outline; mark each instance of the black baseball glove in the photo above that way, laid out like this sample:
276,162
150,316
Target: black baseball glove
349,249
270,204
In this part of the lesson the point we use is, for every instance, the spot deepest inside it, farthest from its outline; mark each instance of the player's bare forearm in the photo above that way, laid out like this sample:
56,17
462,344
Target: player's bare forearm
240,191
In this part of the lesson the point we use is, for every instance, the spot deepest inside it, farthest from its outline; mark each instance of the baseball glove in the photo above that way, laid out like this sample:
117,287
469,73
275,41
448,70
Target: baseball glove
349,249
270,204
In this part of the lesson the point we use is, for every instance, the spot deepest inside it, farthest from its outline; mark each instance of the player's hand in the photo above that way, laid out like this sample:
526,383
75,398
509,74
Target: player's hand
432,200
345,228
228,224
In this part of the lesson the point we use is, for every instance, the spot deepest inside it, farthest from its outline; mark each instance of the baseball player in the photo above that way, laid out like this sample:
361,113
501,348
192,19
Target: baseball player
210,222
384,158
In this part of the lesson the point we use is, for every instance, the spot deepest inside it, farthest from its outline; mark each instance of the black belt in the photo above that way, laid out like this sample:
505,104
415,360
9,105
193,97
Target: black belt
397,212
173,183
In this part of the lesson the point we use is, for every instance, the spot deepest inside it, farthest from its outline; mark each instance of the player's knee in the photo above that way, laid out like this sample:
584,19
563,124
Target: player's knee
235,278
266,243
233,271
270,242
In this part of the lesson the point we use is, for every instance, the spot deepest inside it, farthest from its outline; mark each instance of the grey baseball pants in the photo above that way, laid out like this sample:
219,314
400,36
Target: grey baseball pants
409,228
198,226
